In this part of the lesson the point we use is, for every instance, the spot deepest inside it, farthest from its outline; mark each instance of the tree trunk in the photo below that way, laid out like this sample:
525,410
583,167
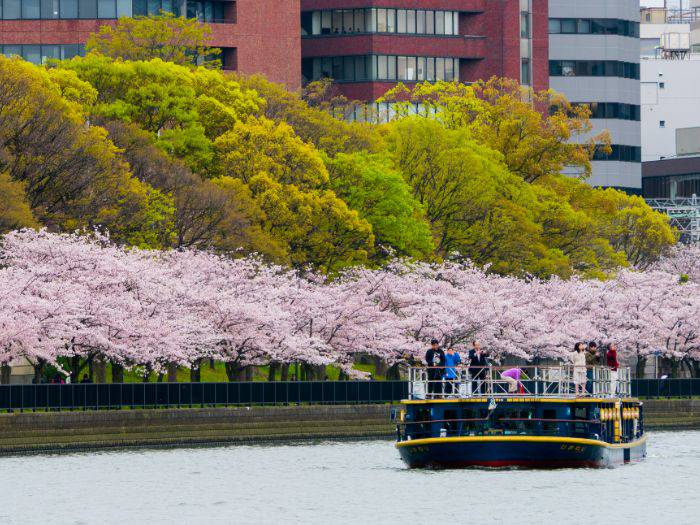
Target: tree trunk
99,371
160,377
212,364
75,368
196,371
306,372
394,372
342,376
641,366
674,368
284,372
39,370
272,373
91,370
172,372
5,373
249,373
117,373
380,367
235,372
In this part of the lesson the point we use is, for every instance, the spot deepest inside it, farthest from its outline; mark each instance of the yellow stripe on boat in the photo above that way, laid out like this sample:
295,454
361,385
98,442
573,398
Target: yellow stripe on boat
521,439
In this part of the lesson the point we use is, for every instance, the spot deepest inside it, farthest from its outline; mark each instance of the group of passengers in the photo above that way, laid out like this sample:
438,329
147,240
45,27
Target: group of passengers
444,376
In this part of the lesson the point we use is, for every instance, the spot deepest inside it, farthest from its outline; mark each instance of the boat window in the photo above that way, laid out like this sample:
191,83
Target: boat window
450,424
580,413
549,427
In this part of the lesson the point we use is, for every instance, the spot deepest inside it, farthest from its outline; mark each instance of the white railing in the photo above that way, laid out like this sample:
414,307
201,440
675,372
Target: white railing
534,381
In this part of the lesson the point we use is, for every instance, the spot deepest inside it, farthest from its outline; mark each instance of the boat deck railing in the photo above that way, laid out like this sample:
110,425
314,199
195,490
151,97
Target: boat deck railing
559,381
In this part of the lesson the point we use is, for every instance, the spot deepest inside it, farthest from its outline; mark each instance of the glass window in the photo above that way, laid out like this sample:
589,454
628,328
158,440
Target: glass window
372,67
554,26
326,20
411,68
439,23
391,20
49,9
381,20
87,8
326,68
430,69
383,68
430,22
348,21
420,22
316,72
72,50
449,70
32,54
167,5
106,9
31,9
391,61
455,20
12,50
69,8
48,52
154,7
314,25
123,8
401,68
524,25
337,68
568,26
401,21
584,27
448,22
141,7
568,68
359,20
410,21
439,69
371,20
420,68
208,11
360,65
456,68
12,10
349,68
525,72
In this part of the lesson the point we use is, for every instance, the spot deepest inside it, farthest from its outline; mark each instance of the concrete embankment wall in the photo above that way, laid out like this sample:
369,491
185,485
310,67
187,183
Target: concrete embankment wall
57,431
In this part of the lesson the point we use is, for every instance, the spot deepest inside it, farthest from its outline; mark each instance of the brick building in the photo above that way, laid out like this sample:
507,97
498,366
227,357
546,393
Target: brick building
256,36
367,46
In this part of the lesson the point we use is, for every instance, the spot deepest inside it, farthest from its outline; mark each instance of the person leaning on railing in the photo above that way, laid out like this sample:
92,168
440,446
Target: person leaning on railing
435,359
452,360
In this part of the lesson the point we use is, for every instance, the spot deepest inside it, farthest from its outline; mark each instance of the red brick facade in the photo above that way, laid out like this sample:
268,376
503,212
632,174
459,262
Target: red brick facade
489,42
265,37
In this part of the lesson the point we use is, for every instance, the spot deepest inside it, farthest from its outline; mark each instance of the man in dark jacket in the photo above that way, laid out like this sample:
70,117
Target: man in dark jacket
477,363
435,358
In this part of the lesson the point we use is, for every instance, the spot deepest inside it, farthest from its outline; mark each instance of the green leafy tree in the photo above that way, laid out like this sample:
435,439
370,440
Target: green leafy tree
183,41
369,184
15,211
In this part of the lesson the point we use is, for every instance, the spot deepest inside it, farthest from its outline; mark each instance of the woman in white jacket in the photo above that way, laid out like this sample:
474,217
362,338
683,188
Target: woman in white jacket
579,361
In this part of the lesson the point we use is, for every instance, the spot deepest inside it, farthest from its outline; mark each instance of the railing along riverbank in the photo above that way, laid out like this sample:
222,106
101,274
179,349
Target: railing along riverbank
173,395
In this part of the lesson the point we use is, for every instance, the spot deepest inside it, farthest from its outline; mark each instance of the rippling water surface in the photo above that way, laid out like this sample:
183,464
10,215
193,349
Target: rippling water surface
348,482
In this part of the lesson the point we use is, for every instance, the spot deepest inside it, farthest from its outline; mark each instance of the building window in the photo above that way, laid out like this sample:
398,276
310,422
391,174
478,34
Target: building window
612,110
379,20
38,54
31,9
524,25
662,85
620,153
391,68
594,26
662,123
593,68
525,76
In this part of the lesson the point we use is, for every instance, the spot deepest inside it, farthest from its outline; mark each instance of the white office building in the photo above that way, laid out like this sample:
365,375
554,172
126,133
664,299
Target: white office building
594,59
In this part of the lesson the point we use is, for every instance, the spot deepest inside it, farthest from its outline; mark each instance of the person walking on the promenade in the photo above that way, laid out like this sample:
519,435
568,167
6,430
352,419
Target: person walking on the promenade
477,368
435,358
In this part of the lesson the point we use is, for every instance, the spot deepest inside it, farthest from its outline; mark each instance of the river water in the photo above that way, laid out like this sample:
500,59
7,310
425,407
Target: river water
347,482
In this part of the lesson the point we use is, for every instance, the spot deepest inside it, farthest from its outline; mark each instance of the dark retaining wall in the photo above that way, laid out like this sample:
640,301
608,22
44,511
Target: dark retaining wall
59,431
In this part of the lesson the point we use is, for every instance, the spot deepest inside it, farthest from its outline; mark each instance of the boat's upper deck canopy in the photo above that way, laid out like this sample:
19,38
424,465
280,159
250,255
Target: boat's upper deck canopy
558,381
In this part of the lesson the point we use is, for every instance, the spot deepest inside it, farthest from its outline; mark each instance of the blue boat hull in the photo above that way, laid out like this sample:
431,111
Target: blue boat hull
518,451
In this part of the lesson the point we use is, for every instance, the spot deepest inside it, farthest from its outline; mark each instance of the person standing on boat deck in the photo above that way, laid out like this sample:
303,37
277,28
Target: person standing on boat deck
613,365
477,363
579,362
452,360
435,358
591,363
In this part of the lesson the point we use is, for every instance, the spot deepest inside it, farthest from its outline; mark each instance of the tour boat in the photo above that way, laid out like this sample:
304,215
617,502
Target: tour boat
543,424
